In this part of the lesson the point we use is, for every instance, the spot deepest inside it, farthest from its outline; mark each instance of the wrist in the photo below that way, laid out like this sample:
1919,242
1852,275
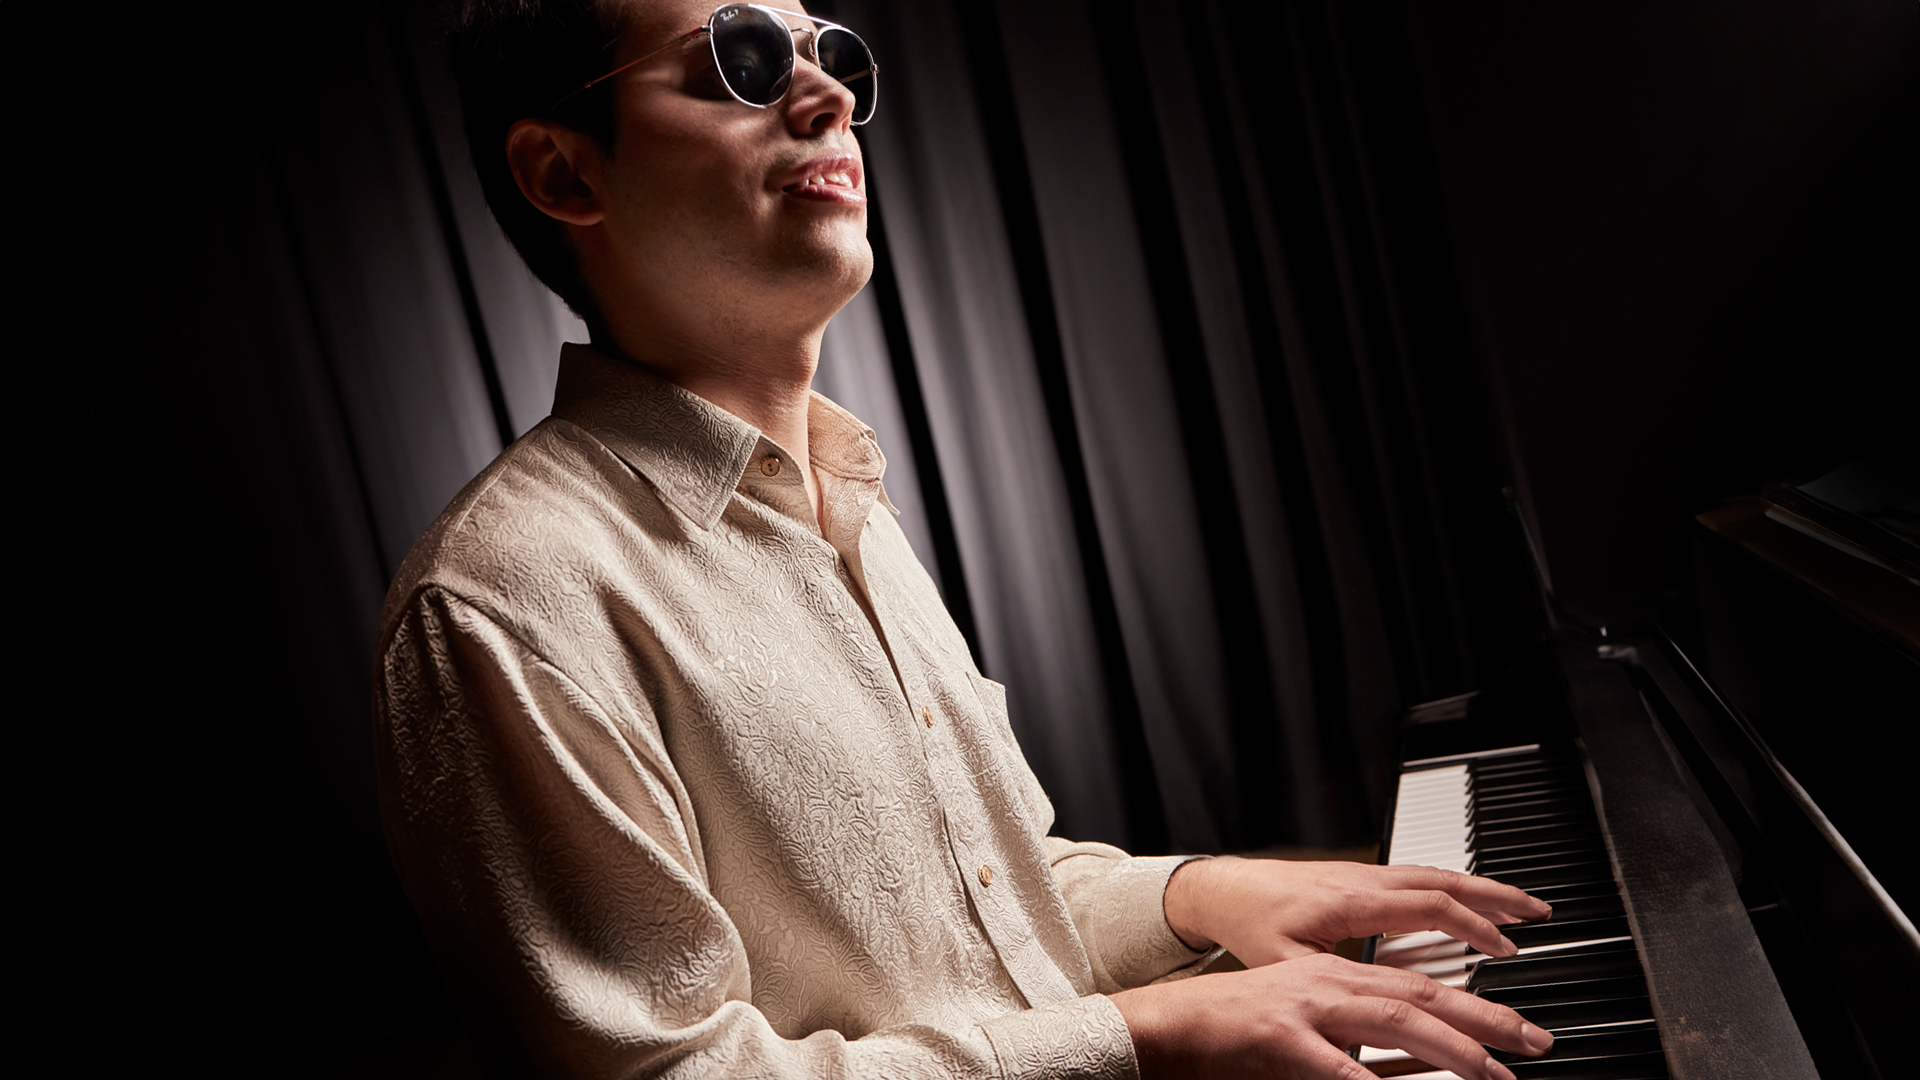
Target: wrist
1185,903
1144,1010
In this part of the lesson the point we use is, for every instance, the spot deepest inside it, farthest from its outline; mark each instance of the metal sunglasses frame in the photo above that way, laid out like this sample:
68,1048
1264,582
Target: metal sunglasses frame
813,36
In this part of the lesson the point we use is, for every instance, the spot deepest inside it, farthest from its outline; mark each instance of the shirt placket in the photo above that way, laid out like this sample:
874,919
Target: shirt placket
983,866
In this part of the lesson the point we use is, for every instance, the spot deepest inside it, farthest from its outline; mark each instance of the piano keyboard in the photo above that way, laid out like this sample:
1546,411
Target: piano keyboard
1523,815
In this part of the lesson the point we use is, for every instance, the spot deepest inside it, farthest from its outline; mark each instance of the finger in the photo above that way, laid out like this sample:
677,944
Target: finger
1321,1059
1504,918
1484,895
1479,1019
1475,1017
1401,910
1391,1023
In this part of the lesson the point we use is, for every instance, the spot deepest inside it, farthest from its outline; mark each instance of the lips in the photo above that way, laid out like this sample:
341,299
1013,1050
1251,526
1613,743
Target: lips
831,179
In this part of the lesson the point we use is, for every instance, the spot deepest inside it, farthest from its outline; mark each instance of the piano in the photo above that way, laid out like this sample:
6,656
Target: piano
1709,920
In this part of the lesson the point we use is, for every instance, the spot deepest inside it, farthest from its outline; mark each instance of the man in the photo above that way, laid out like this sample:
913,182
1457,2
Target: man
684,765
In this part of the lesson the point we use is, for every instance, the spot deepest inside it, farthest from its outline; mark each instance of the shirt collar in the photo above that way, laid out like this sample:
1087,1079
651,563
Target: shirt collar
693,451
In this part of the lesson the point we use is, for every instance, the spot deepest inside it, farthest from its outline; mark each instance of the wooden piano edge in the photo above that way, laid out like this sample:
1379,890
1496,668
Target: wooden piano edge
1717,1001
1852,954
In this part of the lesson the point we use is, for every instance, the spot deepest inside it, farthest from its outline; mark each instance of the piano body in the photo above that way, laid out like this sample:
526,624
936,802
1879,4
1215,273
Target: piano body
1698,764
1710,919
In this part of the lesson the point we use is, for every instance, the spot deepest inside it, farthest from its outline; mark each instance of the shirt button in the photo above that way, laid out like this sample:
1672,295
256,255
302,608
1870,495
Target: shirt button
927,715
770,465
986,874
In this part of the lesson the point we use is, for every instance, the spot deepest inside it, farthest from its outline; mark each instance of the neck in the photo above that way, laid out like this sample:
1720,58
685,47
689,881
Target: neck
766,383
764,379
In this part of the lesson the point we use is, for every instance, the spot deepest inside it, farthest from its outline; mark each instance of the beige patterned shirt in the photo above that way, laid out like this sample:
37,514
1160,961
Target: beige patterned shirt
671,801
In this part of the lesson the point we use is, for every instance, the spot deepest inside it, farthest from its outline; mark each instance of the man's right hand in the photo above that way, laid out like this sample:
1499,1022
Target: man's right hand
1292,1019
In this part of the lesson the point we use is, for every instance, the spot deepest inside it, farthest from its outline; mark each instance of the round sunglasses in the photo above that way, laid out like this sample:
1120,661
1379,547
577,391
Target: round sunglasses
754,51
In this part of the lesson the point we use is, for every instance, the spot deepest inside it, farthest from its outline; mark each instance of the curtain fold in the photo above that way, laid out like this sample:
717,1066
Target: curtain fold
1189,230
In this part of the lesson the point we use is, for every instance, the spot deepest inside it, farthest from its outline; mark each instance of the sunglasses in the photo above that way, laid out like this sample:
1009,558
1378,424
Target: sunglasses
754,51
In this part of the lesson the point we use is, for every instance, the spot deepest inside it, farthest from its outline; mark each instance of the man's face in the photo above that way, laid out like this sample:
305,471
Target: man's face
719,211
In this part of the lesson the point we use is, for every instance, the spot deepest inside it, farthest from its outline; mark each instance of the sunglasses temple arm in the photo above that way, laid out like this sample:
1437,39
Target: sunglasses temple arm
674,44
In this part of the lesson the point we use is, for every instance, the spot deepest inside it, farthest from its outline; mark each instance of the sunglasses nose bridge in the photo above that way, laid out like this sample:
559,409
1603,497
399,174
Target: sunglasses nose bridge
808,49
808,96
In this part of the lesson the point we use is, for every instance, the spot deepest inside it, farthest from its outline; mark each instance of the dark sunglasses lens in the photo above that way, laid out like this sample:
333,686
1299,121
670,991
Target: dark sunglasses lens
845,57
754,51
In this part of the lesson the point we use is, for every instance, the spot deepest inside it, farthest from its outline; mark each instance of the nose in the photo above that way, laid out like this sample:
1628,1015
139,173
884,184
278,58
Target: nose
817,103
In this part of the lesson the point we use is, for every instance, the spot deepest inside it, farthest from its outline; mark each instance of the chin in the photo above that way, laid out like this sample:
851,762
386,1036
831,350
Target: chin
843,264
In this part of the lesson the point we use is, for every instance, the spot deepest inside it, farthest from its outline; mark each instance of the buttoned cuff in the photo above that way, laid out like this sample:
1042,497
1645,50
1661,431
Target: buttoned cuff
1082,1039
1119,907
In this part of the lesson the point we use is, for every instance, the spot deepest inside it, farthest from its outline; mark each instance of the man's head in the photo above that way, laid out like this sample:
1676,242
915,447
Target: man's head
656,195
514,59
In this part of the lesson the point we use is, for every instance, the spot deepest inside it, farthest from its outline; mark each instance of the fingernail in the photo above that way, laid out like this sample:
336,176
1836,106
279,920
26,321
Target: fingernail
1511,948
1498,1071
1537,1040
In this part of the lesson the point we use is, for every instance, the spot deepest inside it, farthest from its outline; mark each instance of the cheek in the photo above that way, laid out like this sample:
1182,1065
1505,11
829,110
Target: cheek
686,202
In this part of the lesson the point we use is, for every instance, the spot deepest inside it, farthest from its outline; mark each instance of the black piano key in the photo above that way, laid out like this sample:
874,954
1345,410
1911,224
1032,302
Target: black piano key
1625,1039
1580,890
1612,960
1522,774
1530,805
1518,789
1514,766
1607,905
1508,766
1508,790
1517,773
1536,754
1558,798
1496,867
1522,817
1520,801
1634,985
1503,786
1565,830
1562,932
1485,805
1490,853
1644,1065
1540,769
1496,823
1541,855
1563,874
1512,800
1578,1014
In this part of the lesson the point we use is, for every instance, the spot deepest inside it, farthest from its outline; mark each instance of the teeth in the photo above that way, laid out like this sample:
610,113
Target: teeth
836,179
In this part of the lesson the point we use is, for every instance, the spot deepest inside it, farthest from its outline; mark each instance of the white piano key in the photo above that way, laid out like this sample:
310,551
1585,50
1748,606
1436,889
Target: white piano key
1427,946
1393,1062
1446,967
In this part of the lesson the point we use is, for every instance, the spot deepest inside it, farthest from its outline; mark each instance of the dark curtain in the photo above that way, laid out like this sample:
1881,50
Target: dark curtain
1194,395
1194,347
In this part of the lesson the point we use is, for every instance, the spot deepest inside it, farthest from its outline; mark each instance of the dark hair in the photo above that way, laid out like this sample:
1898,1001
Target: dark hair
514,59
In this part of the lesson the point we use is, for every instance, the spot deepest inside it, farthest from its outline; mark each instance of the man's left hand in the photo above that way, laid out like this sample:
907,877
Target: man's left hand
1265,910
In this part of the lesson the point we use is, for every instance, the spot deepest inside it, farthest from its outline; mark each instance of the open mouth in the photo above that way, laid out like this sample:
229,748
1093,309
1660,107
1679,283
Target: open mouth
836,178
830,179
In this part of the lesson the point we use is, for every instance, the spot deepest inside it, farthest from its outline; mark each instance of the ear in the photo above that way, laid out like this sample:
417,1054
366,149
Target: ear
557,169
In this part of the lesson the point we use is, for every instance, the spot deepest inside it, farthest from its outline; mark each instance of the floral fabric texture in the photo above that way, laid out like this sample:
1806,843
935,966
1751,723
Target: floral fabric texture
683,782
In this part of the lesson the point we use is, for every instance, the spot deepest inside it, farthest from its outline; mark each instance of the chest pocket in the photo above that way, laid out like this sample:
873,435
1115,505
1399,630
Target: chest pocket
1001,752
